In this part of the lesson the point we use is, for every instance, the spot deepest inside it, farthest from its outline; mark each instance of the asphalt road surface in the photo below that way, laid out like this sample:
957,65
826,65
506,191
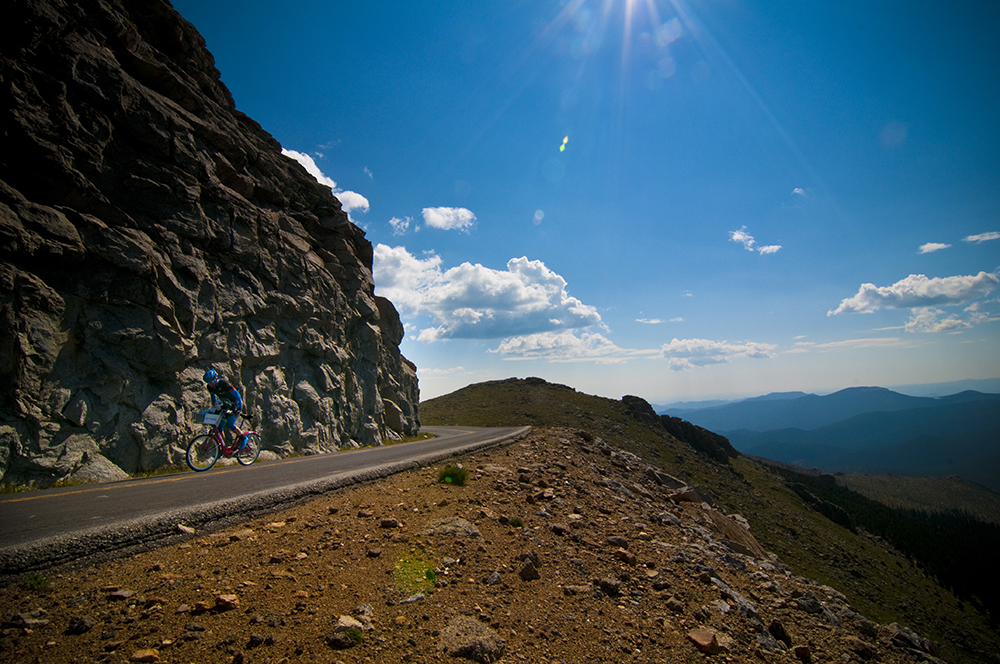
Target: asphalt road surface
42,529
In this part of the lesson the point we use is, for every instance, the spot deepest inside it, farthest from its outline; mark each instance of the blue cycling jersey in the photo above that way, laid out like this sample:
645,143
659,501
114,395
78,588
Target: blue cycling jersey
223,392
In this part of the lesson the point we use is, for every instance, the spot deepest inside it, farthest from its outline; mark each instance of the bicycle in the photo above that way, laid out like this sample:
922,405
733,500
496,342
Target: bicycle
204,450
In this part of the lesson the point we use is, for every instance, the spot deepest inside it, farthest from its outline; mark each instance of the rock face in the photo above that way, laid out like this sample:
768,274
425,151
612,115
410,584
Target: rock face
148,231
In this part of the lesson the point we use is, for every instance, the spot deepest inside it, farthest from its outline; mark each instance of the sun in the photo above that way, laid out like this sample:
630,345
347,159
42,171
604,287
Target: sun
657,22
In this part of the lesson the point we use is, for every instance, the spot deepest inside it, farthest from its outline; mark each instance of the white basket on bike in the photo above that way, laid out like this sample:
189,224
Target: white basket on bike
208,417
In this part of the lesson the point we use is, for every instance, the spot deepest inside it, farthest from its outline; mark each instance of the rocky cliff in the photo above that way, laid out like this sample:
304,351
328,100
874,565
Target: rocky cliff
148,231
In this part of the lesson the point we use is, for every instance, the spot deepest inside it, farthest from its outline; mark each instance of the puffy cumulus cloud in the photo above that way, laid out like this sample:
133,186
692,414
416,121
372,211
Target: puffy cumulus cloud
917,291
689,353
349,200
930,320
448,219
982,237
475,302
749,243
931,247
983,312
563,346
403,278
798,191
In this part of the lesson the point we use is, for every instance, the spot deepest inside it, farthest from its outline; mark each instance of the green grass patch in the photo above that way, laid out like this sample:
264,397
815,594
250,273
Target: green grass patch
453,475
354,634
516,522
414,573
35,581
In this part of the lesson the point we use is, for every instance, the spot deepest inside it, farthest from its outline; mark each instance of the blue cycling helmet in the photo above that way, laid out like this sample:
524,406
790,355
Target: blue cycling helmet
210,376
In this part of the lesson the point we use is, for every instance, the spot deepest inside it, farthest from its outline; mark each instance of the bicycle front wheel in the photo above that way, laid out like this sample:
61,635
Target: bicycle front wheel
249,453
203,452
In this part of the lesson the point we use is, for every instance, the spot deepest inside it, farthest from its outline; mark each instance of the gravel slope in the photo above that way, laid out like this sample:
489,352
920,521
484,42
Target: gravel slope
607,567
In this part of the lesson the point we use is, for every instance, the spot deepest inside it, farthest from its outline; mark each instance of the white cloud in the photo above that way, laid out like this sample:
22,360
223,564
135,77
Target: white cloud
400,226
677,320
448,219
916,291
475,302
929,320
368,172
982,237
932,247
648,321
689,353
425,373
563,347
349,200
798,191
742,237
574,346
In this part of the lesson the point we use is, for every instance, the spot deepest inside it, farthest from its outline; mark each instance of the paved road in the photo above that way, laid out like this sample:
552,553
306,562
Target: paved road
41,529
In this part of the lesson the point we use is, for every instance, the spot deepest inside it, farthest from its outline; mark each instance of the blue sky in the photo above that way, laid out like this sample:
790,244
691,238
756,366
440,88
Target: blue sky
678,199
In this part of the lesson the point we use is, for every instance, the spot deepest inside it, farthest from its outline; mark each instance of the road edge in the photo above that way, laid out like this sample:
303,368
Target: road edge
135,536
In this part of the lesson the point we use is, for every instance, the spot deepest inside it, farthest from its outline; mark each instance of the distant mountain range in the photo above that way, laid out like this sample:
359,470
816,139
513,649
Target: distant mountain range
866,430
807,411
985,385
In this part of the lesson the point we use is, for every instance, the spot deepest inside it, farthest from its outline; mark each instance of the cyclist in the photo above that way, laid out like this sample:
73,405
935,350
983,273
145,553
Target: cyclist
229,397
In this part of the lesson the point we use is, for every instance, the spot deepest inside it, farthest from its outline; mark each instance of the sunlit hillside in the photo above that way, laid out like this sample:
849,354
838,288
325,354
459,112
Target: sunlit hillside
878,578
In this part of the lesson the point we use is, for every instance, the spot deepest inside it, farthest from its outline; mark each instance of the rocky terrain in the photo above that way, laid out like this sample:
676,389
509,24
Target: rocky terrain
948,603
559,548
148,231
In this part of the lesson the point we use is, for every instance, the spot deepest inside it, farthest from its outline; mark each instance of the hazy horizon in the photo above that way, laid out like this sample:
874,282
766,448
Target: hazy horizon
678,200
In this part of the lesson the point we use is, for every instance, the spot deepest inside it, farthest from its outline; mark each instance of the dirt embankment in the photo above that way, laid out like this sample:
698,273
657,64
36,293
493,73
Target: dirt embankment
557,549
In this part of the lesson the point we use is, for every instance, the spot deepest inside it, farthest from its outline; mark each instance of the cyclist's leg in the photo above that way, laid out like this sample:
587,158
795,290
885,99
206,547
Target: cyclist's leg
228,429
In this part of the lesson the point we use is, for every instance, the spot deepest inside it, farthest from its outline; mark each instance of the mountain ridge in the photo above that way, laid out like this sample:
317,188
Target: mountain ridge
812,411
799,531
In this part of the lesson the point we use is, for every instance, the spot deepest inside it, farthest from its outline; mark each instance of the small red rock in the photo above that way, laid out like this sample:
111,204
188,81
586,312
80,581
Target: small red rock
227,602
705,641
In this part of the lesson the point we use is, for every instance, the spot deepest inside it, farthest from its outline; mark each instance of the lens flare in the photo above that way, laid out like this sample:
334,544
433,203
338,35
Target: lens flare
562,148
539,214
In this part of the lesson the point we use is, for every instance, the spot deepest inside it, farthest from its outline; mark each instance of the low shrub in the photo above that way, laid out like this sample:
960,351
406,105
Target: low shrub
453,475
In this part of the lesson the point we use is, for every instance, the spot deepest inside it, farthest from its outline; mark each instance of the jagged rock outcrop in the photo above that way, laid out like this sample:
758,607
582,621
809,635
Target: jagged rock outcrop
149,230
705,441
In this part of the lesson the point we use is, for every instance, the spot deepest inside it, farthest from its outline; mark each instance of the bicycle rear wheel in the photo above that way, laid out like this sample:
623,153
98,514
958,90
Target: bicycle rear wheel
250,451
203,452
